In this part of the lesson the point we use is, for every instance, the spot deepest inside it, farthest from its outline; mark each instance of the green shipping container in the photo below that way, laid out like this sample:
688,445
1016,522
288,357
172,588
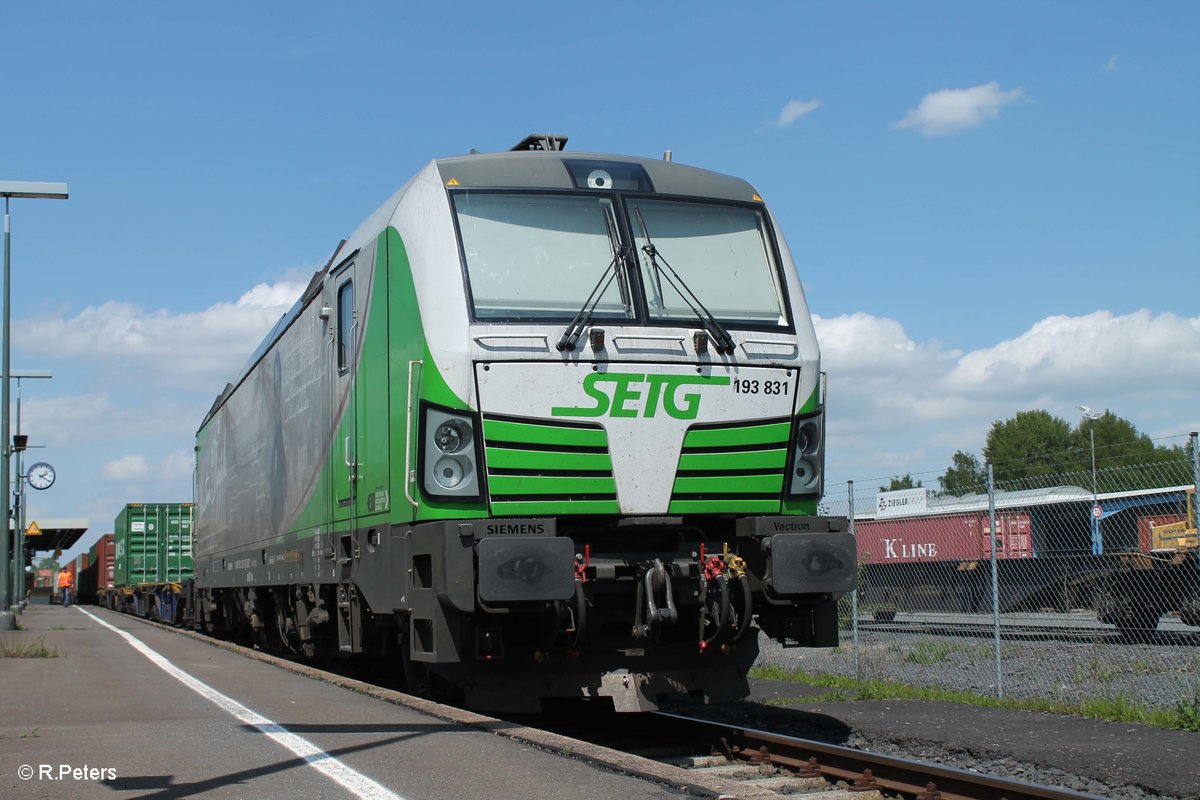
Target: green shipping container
153,544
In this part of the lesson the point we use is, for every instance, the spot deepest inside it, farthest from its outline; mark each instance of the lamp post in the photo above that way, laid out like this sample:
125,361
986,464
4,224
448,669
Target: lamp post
18,493
1097,540
9,190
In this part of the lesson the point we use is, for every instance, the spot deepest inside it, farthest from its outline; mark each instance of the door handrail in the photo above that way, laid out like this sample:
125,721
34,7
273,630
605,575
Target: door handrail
410,474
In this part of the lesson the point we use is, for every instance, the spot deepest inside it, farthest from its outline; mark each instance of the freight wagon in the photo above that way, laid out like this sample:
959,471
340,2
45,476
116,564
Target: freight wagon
546,425
152,559
1133,564
96,579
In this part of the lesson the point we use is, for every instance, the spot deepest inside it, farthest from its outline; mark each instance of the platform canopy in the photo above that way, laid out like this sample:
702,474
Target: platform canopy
49,534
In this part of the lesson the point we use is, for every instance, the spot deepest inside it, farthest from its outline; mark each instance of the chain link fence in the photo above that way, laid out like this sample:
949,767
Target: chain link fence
1032,584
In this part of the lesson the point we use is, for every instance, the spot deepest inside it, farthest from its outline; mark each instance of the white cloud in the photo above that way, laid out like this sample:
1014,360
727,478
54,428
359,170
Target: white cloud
898,405
137,467
794,110
199,350
1070,353
952,110
176,465
126,468
75,420
1111,66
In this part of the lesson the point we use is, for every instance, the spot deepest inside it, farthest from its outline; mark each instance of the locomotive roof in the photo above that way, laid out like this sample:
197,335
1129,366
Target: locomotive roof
534,169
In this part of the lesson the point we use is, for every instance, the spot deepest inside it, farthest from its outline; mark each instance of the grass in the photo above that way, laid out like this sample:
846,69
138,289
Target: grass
1188,711
1117,707
17,647
928,652
1094,670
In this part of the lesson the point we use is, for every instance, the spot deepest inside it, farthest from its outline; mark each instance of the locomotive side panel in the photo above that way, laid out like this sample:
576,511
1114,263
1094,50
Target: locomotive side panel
265,456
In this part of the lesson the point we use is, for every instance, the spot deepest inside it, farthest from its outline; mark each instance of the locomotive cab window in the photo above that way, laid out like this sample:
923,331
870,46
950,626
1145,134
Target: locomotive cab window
538,256
345,326
720,254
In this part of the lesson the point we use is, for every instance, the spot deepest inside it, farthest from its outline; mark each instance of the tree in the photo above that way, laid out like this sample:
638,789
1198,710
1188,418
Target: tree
901,483
1037,449
1126,459
964,476
1032,444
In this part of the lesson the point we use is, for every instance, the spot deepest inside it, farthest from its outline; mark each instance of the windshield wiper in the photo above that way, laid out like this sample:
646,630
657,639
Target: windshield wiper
721,338
616,267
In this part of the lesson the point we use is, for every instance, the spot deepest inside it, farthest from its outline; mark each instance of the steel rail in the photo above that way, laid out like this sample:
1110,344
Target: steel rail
869,770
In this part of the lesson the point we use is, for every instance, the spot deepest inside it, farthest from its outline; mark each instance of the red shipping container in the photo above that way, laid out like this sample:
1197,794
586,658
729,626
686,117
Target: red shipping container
956,537
104,558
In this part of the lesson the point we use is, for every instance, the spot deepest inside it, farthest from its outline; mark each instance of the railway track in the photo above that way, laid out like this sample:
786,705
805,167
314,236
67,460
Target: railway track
1171,633
744,762
791,762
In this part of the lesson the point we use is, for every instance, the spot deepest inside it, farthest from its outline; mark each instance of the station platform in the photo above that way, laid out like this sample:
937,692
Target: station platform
129,709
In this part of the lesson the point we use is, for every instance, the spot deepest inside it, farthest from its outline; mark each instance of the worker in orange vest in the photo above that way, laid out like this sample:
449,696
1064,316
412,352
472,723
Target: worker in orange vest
65,583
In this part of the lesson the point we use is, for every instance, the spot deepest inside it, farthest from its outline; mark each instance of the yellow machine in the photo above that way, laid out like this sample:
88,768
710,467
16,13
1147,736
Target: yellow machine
1175,536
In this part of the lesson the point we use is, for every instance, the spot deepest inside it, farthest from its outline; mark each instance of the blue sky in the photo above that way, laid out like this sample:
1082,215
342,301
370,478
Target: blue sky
992,206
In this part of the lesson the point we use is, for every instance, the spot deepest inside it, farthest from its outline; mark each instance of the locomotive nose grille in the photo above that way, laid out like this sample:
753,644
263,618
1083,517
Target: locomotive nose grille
732,468
536,467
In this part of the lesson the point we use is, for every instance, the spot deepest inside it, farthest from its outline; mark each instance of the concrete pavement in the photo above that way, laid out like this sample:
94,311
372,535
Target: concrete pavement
104,719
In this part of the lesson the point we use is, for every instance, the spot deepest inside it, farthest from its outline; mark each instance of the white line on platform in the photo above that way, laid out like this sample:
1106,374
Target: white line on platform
352,780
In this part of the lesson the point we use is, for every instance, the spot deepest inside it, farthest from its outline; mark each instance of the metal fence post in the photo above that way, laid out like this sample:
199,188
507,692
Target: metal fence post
1196,483
1195,480
991,489
854,594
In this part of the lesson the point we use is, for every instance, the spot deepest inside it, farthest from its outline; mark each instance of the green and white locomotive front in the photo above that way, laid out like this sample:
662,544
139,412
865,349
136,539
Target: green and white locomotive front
620,413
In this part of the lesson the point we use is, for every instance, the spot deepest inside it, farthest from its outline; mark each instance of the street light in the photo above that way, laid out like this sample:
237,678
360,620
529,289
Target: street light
1097,541
9,190
18,492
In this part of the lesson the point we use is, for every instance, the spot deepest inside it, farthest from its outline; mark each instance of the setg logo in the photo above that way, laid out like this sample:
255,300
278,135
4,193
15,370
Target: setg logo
617,394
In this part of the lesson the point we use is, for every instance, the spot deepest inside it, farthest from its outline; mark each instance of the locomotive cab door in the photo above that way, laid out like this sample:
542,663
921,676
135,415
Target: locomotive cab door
343,455
359,463
370,391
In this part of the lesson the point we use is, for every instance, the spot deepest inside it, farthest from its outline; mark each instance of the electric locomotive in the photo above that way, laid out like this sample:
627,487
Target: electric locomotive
546,425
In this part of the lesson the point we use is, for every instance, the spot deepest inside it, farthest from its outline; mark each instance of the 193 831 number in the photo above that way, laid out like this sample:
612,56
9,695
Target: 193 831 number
754,387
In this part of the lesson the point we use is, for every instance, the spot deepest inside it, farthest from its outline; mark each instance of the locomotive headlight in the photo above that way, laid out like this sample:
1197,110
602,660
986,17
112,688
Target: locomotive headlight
808,456
804,437
449,454
452,436
448,472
